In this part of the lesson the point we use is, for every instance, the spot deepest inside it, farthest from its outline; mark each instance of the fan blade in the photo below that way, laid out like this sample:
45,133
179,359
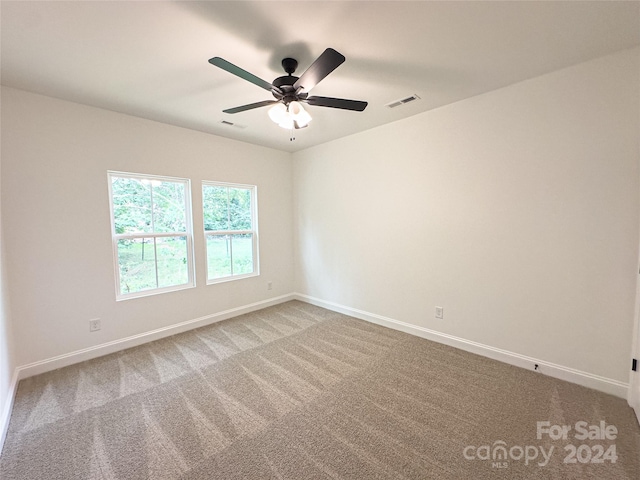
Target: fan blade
323,66
250,106
342,103
250,77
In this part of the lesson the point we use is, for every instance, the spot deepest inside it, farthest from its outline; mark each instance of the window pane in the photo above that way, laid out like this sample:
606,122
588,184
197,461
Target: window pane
242,248
240,208
144,209
169,207
218,256
131,205
137,263
215,203
227,209
172,261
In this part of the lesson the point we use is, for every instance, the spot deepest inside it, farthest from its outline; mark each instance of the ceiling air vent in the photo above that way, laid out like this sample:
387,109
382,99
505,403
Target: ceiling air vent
402,101
231,124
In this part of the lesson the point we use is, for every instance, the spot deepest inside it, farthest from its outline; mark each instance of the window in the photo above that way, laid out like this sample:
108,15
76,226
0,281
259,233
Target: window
230,227
152,234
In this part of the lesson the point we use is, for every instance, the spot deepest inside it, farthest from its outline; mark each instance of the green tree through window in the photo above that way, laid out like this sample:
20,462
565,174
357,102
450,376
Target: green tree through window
151,233
230,230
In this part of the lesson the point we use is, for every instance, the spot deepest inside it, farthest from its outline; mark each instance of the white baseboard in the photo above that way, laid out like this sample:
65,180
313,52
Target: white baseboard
603,384
71,358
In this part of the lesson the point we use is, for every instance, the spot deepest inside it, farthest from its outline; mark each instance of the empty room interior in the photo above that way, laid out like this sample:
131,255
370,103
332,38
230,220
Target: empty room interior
308,239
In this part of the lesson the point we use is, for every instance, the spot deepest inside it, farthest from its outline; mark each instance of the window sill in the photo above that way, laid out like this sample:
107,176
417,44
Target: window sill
155,291
231,278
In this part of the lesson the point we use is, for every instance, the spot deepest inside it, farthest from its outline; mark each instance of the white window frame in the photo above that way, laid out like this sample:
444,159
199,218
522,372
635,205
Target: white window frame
188,234
254,232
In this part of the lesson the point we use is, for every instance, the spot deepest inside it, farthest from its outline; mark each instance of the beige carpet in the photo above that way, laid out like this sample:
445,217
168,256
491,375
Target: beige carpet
299,392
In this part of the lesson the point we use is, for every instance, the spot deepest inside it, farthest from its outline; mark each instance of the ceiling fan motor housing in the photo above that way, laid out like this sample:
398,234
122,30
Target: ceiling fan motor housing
285,83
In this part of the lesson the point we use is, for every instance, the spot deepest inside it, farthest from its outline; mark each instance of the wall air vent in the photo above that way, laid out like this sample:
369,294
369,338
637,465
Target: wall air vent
402,101
226,123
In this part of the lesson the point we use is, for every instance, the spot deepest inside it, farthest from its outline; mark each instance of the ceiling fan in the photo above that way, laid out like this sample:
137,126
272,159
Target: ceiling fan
291,91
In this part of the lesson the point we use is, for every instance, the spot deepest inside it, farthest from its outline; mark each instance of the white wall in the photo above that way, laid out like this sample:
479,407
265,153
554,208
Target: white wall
7,363
516,210
55,157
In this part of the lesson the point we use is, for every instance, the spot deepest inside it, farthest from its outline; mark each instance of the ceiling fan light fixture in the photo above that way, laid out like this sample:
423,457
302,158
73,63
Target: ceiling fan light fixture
278,113
295,108
290,116
299,114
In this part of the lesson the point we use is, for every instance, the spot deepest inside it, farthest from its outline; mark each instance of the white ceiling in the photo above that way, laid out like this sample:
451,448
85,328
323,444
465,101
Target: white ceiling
149,59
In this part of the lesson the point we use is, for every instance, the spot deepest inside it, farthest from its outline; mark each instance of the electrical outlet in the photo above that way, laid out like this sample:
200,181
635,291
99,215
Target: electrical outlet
439,312
94,325
269,285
